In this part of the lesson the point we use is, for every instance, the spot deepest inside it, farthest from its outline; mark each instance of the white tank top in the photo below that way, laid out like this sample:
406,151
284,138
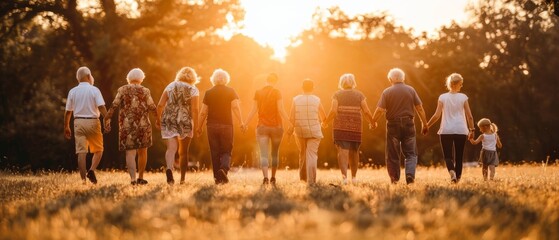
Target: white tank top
307,124
453,117
489,142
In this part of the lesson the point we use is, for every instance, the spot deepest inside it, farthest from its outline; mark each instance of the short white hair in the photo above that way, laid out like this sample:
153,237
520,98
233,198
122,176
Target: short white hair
396,75
347,81
82,72
187,74
220,77
452,80
135,74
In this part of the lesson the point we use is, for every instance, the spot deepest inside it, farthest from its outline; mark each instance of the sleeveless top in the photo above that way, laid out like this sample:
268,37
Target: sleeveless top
307,124
348,122
489,142
177,116
453,116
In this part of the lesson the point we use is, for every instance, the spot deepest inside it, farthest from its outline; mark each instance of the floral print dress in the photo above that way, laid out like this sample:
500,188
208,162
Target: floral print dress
177,115
135,103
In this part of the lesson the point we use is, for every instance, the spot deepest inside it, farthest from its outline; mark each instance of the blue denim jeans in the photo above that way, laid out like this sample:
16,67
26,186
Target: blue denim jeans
220,138
400,138
267,136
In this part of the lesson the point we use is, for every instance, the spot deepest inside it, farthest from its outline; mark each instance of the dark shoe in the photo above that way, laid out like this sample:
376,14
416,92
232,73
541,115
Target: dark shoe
134,182
91,176
266,181
169,174
409,179
142,181
222,176
273,181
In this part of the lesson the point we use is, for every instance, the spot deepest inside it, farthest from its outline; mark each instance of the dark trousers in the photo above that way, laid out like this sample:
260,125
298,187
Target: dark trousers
220,138
453,151
400,138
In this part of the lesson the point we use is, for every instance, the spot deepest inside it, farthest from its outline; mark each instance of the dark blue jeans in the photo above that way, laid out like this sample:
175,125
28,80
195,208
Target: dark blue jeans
400,138
453,151
220,138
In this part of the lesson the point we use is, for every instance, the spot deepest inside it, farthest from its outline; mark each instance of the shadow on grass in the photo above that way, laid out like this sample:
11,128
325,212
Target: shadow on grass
335,198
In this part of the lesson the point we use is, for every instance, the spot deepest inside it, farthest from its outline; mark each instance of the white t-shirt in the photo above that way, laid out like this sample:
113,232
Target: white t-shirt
84,101
453,116
489,142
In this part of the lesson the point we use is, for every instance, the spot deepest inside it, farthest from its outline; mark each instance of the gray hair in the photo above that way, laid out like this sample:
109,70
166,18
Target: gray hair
347,81
82,72
396,75
453,79
187,74
135,74
220,77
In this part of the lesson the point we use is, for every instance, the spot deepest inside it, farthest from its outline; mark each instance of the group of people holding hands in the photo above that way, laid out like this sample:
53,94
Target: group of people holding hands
180,116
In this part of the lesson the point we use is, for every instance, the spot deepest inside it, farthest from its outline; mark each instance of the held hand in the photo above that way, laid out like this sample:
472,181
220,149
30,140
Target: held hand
424,130
67,133
158,124
107,126
373,126
199,132
324,125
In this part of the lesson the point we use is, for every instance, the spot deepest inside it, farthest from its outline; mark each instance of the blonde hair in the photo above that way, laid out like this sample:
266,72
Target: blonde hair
452,80
135,74
347,81
220,77
486,122
187,74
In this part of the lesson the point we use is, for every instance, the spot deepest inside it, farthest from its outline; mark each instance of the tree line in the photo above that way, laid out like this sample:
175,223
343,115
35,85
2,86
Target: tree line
507,54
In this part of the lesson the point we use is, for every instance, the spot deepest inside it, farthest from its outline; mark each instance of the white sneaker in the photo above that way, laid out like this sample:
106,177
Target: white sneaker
452,176
354,181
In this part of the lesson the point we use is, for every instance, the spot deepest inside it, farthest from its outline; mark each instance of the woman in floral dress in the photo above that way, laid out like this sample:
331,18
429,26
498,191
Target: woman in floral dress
134,134
178,108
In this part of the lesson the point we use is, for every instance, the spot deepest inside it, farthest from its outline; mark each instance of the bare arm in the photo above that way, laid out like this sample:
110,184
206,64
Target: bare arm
478,140
469,119
321,113
376,115
366,111
236,108
202,118
437,115
499,144
291,119
283,114
251,114
160,106
195,111
67,130
333,111
103,111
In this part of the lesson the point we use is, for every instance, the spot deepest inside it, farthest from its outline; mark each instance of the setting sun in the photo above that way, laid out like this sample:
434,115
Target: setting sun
275,23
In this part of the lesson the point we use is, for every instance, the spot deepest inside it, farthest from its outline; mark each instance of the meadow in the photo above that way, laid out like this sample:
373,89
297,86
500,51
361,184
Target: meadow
522,203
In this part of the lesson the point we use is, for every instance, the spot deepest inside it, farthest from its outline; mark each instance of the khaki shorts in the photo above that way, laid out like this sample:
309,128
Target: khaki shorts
88,135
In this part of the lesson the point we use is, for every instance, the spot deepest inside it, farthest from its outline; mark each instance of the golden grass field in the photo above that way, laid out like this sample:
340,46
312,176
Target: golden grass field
522,203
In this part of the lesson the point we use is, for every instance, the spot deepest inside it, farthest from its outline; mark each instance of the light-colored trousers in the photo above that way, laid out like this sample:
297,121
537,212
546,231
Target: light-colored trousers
308,157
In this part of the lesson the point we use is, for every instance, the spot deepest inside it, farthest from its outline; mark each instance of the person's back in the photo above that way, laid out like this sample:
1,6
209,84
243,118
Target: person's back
84,100
489,141
399,100
219,99
267,99
307,123
453,119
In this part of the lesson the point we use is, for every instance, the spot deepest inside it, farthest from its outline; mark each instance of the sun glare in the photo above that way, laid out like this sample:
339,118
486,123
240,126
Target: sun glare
275,23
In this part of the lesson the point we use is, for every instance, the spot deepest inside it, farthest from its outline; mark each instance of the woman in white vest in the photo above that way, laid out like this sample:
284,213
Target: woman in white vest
307,114
457,124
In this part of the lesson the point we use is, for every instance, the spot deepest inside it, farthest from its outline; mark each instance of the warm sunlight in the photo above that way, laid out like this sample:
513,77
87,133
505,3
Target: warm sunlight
275,23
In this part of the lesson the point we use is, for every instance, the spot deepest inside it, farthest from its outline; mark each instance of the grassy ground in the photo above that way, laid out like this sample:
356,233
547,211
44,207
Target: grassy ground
521,204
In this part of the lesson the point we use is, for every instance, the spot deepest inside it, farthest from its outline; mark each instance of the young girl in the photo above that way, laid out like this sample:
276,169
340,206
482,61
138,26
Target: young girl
489,141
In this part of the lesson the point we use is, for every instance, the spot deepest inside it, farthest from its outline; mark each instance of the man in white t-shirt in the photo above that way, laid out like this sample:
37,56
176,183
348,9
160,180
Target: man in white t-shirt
85,103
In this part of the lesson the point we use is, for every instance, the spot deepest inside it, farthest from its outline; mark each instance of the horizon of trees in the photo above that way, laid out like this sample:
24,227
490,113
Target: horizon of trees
507,55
